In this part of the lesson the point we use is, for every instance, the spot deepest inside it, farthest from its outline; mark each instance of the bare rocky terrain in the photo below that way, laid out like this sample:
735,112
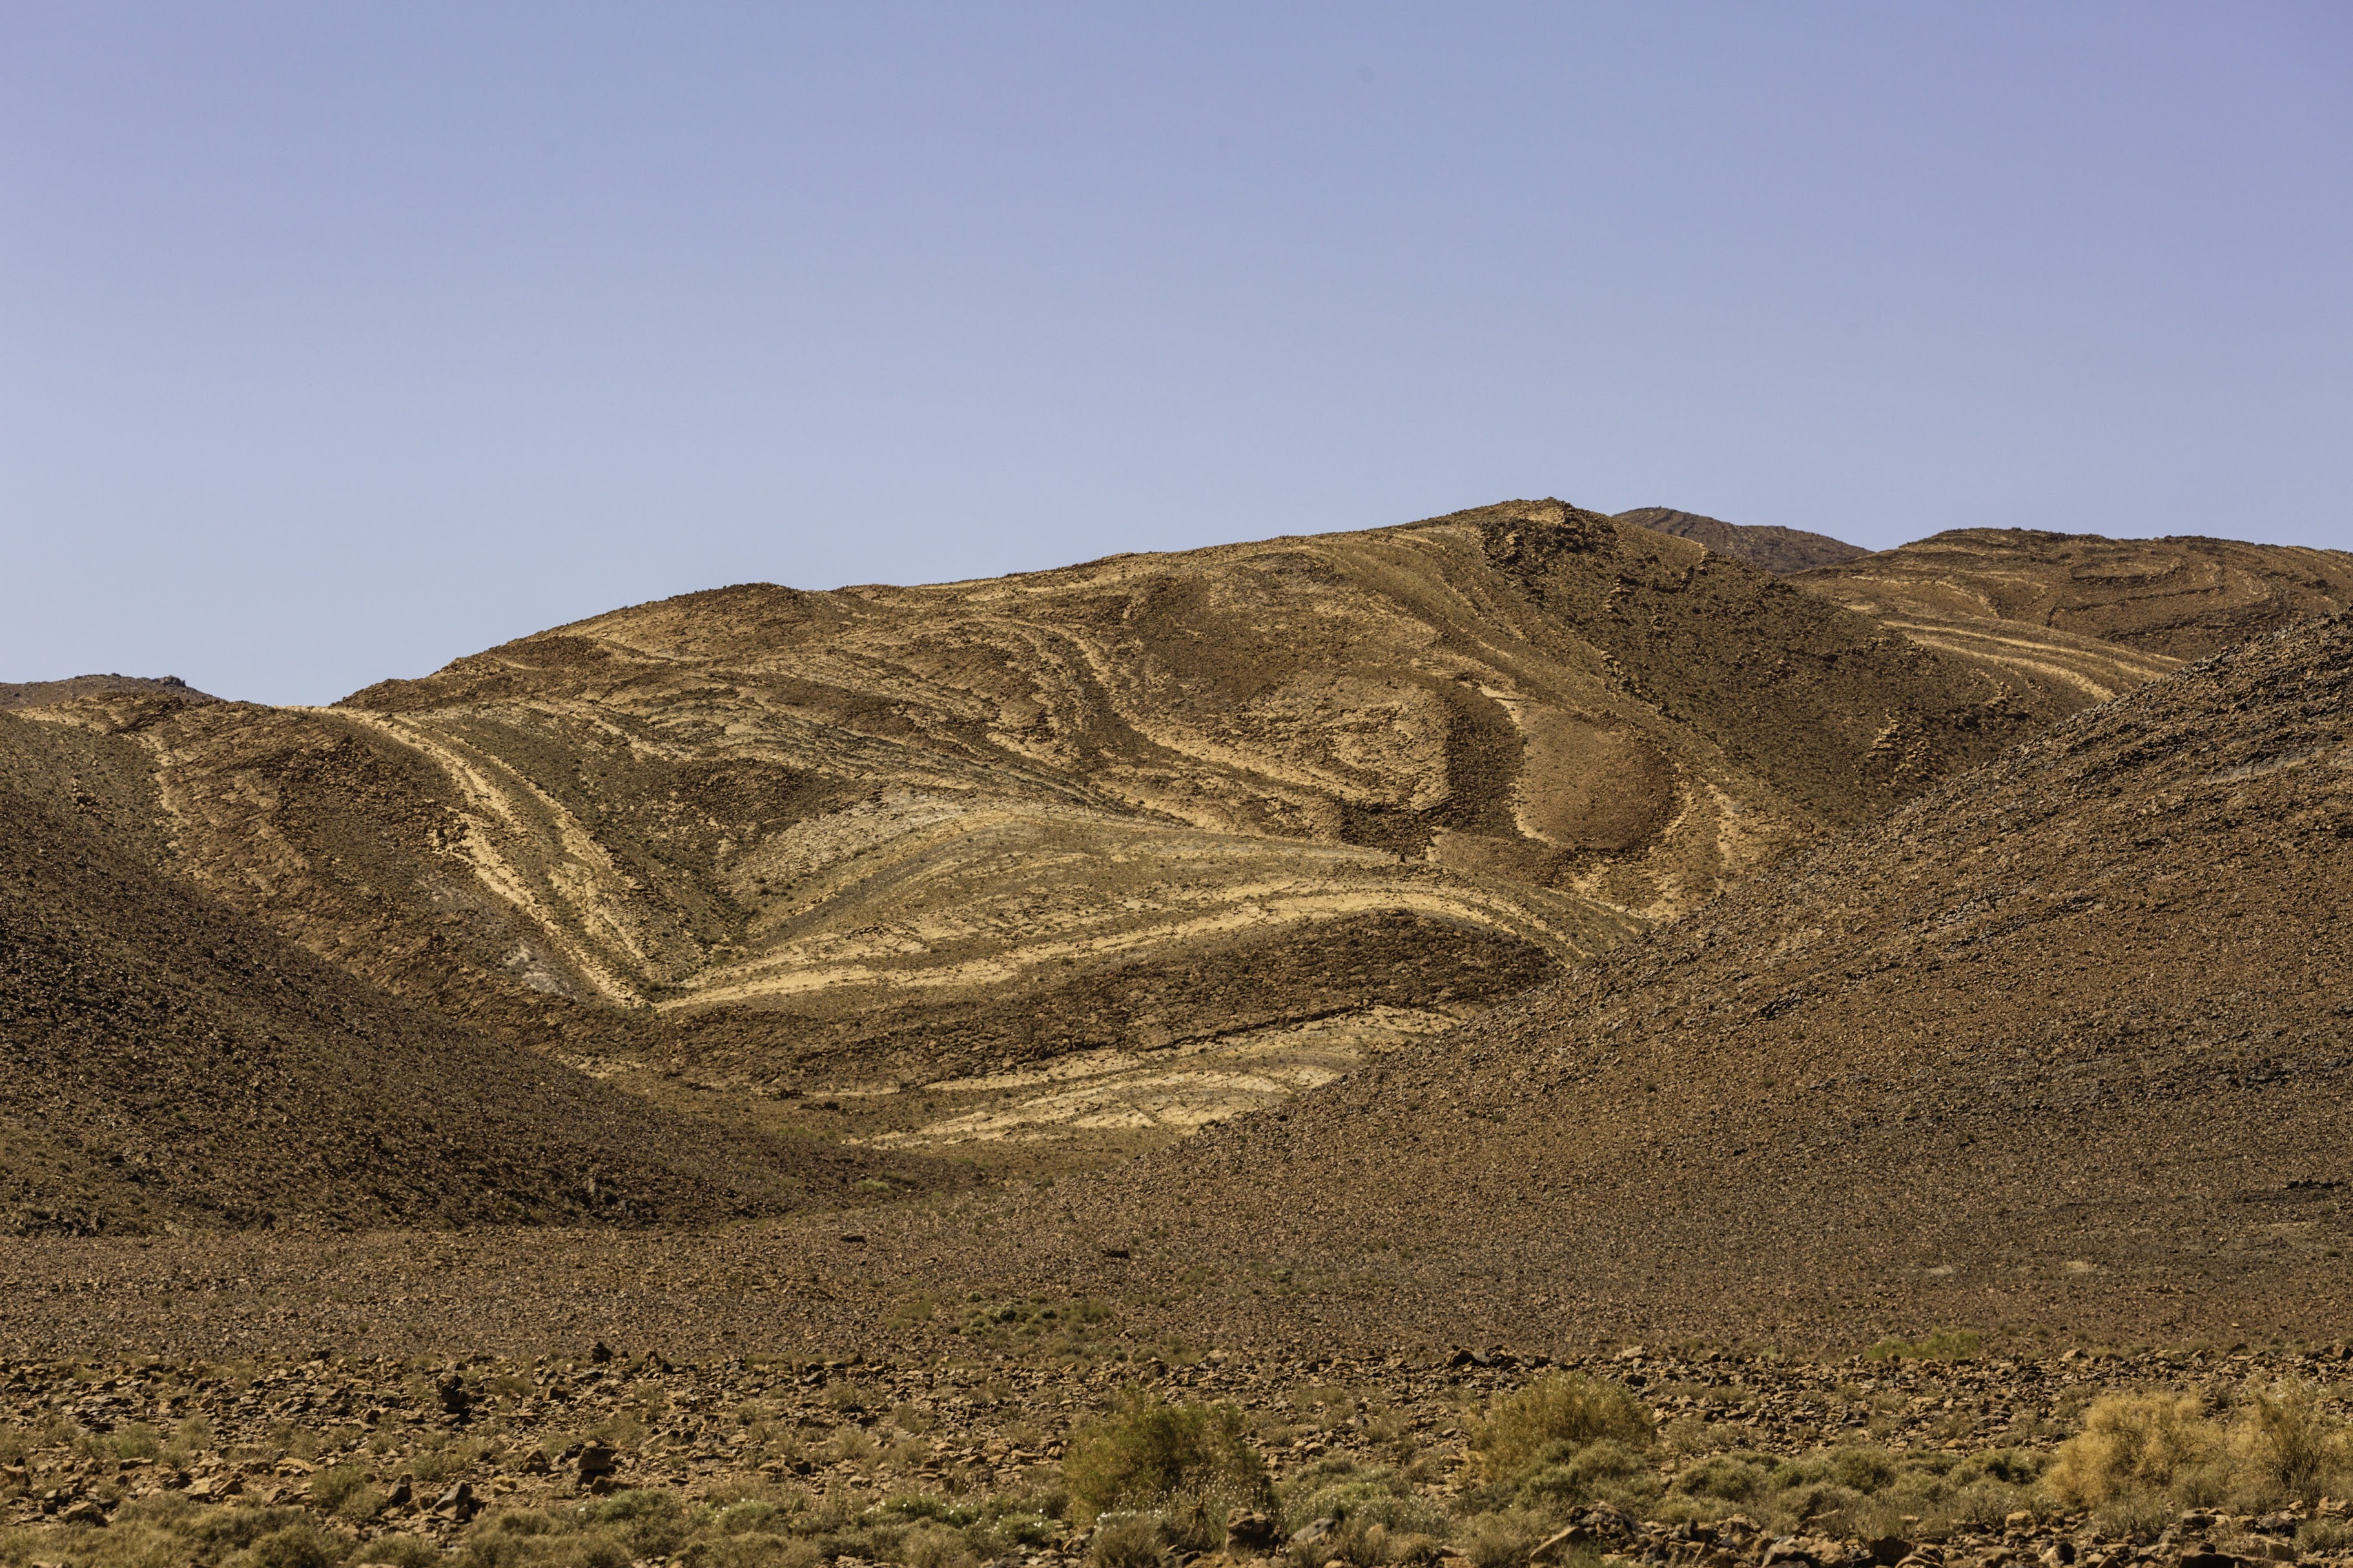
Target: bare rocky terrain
1519,1039
48,693
2060,1048
2070,601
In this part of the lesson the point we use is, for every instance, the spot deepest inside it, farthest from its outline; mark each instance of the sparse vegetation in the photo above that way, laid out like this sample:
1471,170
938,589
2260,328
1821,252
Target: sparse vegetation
1941,1344
1356,1464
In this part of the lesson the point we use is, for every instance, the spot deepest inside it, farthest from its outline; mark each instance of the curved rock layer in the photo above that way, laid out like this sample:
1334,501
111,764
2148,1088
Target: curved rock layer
853,843
167,1063
2111,612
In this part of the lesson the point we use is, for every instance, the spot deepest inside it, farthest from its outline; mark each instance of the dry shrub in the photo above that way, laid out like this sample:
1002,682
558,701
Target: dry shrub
2140,1450
1150,1455
332,1487
2133,1443
1499,1540
398,1551
935,1546
1943,1344
297,1546
1557,1413
2317,1537
2284,1448
445,1461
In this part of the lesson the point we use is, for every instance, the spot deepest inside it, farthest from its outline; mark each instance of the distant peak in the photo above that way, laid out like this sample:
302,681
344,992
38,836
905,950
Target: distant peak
1782,551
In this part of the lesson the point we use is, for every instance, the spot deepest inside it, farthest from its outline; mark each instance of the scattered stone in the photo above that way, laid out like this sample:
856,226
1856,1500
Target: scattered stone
1252,1531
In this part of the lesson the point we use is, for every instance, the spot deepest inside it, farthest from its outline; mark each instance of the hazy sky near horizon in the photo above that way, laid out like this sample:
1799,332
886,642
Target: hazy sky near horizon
338,340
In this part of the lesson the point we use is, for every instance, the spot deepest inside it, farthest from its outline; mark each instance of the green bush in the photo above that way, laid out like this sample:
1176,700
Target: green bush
1150,1455
651,1524
1604,1464
1365,1494
1737,1477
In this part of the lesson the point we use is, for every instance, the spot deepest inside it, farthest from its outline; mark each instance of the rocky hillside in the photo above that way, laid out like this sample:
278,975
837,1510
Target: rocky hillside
2067,1040
1781,551
47,693
169,1063
1131,845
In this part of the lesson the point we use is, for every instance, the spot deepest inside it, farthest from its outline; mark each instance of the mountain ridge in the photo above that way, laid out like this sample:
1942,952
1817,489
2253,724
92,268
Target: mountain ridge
854,862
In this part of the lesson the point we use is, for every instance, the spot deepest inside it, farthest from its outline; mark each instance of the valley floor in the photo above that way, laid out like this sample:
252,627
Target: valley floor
955,1458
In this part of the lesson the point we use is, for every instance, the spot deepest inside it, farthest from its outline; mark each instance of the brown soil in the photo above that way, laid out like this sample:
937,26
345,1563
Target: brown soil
1781,551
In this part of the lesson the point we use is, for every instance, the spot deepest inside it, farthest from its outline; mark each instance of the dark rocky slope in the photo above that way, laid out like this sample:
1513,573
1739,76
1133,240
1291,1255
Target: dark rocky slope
1769,548
2069,1037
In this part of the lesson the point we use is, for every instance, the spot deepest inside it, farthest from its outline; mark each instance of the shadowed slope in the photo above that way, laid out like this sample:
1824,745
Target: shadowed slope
165,1061
2067,1040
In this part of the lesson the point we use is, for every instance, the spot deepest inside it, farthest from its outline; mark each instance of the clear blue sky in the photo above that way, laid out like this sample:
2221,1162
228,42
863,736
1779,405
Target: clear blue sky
338,339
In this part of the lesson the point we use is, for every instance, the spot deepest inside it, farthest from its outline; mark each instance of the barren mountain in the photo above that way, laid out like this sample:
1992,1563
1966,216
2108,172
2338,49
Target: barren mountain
2045,597
2068,1038
1780,551
167,1062
1122,846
